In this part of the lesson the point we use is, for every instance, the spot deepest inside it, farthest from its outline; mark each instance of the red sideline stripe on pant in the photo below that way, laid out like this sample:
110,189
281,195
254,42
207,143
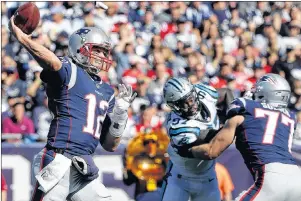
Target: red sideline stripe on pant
251,194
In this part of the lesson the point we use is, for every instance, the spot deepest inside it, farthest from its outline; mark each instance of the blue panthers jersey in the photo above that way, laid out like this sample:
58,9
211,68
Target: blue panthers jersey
79,103
266,134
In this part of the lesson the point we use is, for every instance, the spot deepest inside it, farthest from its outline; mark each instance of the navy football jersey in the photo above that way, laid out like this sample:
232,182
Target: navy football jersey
79,103
266,134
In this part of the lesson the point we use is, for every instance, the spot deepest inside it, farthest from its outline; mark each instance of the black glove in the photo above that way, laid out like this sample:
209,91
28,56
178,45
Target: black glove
184,151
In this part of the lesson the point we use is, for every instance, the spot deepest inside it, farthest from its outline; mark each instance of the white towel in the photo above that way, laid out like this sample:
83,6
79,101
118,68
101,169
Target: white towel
49,176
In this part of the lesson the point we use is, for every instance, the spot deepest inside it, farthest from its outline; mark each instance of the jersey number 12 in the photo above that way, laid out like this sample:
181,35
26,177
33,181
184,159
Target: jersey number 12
91,107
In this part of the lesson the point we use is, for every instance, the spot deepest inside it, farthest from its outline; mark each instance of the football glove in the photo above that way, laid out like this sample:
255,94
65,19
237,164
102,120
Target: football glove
184,152
124,98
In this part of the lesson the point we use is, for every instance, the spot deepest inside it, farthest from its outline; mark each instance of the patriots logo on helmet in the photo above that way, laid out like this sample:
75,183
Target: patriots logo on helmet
82,33
268,79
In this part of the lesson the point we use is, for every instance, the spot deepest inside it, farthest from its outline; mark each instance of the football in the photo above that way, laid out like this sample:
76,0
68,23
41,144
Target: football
27,17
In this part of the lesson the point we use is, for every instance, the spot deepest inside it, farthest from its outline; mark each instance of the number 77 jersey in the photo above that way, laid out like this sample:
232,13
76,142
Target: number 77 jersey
266,134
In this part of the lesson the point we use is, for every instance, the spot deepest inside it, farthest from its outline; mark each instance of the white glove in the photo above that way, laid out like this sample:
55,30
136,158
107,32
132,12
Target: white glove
124,98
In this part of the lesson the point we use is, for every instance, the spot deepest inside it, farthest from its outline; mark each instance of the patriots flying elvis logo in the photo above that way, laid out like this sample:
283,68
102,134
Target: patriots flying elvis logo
82,32
268,79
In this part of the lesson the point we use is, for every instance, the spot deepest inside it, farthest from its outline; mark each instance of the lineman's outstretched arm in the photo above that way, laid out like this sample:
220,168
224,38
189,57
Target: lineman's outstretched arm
220,142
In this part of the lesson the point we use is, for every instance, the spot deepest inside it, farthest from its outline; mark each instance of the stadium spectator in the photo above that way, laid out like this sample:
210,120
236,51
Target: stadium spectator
149,120
18,122
15,88
221,80
197,13
200,73
131,75
141,101
148,27
154,90
57,24
285,66
6,46
123,51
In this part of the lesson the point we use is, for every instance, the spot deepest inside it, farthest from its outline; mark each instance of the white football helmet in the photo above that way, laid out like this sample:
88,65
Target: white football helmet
80,49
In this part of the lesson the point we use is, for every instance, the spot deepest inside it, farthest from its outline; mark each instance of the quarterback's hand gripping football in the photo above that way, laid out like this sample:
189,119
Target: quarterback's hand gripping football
16,31
124,98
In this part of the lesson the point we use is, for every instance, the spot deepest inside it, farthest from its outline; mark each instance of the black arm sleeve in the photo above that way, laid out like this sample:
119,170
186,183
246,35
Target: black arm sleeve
225,98
105,129
211,134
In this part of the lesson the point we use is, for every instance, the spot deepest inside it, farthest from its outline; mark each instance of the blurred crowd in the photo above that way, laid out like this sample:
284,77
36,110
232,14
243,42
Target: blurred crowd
223,44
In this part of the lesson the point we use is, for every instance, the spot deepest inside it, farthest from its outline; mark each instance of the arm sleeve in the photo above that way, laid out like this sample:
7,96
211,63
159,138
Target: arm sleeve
60,77
225,99
225,96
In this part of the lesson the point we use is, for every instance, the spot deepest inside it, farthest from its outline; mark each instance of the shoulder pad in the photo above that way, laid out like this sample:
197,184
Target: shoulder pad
206,89
237,107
